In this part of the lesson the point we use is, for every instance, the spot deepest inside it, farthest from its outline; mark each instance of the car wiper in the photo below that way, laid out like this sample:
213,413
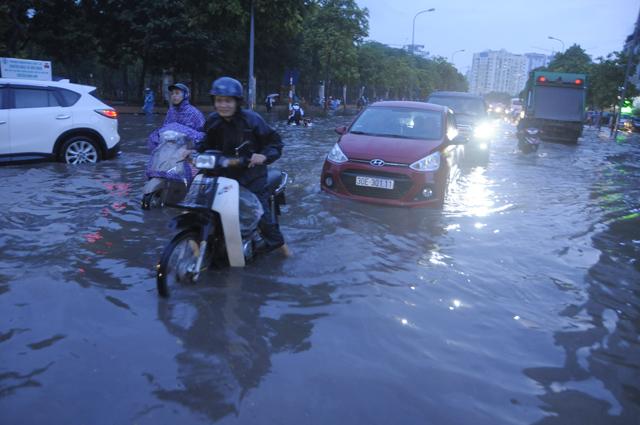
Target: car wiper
357,132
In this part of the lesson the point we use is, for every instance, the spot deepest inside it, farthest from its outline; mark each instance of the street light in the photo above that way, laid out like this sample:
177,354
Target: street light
413,32
252,84
557,39
453,55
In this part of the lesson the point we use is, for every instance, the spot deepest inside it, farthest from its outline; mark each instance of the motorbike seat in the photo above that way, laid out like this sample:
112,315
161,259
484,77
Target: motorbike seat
274,179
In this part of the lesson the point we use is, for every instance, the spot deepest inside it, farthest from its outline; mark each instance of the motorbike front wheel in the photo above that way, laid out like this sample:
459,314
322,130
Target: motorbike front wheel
151,200
177,267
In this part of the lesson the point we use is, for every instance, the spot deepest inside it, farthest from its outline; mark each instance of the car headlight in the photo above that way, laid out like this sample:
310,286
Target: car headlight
336,155
428,163
206,161
483,131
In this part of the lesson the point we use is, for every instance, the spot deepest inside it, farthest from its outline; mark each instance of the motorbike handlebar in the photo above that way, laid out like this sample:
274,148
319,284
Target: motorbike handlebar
235,162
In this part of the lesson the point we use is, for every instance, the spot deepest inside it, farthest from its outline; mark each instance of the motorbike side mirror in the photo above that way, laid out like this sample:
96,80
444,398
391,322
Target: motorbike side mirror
341,130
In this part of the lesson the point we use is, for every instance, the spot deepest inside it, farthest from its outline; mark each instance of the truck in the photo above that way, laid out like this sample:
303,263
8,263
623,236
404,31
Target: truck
555,104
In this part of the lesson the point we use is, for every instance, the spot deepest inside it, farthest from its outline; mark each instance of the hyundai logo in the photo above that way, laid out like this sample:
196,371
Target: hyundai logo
377,162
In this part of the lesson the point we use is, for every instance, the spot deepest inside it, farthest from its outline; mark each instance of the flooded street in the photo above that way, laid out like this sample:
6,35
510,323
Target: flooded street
518,303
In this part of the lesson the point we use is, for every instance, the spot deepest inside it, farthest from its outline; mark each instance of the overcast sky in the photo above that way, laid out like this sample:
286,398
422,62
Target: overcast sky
518,26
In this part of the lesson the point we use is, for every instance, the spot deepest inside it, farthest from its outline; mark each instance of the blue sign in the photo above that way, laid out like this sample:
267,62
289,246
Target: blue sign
291,76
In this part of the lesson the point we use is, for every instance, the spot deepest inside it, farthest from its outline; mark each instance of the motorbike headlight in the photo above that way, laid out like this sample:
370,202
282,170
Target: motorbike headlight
336,155
428,163
483,131
206,161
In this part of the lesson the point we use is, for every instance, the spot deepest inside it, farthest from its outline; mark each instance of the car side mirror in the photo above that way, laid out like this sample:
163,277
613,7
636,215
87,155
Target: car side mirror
341,130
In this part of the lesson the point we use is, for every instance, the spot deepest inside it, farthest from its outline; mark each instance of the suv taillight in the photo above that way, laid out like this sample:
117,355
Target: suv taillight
109,113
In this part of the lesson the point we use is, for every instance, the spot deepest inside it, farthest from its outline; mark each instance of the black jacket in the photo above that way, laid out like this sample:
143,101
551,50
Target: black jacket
244,126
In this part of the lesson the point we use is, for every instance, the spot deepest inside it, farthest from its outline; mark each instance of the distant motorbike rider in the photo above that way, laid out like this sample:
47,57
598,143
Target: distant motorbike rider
237,131
295,114
182,117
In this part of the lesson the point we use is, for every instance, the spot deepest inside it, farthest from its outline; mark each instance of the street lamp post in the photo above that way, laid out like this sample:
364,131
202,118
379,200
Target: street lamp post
633,44
557,39
413,32
453,55
252,85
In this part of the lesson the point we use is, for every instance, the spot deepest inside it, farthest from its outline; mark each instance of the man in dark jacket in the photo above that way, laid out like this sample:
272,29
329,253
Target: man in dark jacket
237,131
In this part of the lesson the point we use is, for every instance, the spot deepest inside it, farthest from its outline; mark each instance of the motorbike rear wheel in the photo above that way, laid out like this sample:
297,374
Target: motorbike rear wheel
178,262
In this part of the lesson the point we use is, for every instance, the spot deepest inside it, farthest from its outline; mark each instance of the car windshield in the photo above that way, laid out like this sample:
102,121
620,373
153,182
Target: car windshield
461,105
407,123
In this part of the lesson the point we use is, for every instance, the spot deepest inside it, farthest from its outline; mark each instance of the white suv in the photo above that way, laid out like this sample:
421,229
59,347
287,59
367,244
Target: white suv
55,120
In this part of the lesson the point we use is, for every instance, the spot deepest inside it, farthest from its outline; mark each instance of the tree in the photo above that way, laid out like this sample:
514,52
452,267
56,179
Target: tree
607,76
14,27
574,59
334,29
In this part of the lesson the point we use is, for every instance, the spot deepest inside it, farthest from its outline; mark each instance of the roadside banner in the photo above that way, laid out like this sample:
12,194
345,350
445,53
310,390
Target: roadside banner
25,69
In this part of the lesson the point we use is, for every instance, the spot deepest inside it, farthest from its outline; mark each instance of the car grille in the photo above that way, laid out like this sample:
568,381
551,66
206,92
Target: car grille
401,185
465,130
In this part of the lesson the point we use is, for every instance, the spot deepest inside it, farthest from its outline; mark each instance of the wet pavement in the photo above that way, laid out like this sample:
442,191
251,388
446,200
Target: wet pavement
518,303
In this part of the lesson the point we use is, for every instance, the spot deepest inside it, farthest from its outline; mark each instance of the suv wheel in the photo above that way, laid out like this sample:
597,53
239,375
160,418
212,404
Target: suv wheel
80,150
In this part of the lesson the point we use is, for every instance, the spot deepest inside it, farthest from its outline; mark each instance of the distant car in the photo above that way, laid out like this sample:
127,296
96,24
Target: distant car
55,120
473,121
395,153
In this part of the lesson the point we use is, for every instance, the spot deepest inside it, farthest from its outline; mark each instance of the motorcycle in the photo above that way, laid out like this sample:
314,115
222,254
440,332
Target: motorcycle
528,140
220,224
168,171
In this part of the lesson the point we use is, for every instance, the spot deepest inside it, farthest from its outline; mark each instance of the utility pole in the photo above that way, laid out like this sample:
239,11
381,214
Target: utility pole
630,53
251,98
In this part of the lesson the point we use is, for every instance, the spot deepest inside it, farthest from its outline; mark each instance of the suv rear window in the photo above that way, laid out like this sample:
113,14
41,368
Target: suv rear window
34,98
94,93
68,97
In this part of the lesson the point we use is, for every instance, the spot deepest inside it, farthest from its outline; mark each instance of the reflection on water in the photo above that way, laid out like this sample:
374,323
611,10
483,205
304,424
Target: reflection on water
516,303
227,340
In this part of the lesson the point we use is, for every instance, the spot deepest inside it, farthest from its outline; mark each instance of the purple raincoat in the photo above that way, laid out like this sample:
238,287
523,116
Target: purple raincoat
184,118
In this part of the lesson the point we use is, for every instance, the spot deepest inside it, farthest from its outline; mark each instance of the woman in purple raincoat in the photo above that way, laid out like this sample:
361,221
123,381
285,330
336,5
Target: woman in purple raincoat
182,117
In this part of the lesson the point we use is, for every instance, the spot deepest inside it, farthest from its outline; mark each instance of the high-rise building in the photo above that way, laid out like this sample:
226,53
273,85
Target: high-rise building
536,60
498,71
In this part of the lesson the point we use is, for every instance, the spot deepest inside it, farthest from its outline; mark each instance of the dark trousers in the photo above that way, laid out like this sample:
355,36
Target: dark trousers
268,224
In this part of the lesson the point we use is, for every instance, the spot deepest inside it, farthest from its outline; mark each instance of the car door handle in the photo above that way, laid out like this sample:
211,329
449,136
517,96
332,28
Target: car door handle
63,117
2,122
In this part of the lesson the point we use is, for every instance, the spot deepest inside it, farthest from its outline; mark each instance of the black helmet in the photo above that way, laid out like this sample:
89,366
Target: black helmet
182,87
226,86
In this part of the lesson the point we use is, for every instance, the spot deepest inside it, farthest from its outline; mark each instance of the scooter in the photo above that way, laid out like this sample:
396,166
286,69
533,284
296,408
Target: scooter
528,139
168,171
220,224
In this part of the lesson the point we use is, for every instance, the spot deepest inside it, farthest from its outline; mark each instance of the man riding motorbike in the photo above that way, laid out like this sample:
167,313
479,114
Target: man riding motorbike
295,114
237,131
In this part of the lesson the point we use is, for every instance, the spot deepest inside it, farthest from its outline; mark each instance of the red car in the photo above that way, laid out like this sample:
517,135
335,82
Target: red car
395,153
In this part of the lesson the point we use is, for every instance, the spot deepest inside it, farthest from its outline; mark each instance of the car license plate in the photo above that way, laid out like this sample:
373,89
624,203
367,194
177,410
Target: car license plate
374,182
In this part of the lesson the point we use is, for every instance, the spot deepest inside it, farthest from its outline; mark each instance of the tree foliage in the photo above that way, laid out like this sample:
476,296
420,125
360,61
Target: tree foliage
121,46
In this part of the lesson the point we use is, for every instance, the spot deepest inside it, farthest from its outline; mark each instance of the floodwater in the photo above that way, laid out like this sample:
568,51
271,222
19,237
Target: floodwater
518,303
